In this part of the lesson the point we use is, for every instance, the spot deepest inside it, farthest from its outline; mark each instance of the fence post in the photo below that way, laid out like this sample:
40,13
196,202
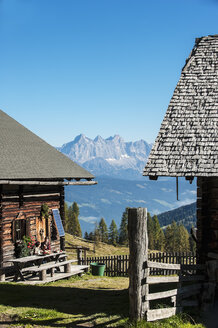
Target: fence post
138,248
79,255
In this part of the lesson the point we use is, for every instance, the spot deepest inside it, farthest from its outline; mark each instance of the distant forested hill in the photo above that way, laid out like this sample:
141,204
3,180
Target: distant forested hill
184,214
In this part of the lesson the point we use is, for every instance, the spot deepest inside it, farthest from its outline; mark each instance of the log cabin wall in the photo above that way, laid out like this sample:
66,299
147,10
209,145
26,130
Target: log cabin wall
207,216
24,203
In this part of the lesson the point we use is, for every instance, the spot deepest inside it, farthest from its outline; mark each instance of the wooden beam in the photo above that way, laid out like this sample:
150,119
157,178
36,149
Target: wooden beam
159,265
153,177
177,188
163,313
156,296
190,179
161,280
20,196
48,183
184,291
169,266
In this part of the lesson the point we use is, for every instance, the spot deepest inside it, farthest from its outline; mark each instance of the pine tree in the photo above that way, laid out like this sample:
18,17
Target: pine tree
86,235
123,235
160,245
150,225
158,235
66,211
183,239
96,233
177,238
171,237
113,233
74,225
103,231
91,236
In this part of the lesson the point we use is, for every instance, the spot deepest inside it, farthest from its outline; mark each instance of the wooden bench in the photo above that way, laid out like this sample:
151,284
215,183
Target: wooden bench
6,271
49,266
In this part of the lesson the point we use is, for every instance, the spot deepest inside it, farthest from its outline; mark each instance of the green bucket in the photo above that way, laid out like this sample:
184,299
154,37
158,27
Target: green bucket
97,269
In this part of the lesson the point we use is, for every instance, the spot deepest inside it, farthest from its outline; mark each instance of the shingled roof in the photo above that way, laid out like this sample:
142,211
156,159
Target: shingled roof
187,143
26,156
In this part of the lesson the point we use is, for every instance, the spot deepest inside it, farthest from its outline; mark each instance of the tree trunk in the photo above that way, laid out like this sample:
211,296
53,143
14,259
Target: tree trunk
138,245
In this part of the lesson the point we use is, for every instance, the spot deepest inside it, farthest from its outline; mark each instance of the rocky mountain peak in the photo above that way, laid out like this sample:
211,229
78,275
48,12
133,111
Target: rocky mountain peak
112,156
99,139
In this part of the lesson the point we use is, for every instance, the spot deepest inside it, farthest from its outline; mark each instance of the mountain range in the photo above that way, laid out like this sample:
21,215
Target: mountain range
117,166
112,157
185,215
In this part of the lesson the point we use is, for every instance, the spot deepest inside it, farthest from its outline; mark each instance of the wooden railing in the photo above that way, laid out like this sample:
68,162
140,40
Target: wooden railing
118,265
115,266
176,296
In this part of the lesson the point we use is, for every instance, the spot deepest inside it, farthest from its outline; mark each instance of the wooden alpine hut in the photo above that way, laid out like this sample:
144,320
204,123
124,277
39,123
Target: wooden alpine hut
187,143
32,179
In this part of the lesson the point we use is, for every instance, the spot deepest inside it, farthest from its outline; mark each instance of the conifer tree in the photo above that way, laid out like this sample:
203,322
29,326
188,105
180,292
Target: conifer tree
96,233
113,233
171,237
158,235
183,239
177,238
91,236
86,235
123,235
74,225
66,211
103,231
150,225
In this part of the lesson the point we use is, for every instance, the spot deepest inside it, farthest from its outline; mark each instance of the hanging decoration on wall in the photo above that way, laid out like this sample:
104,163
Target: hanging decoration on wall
44,214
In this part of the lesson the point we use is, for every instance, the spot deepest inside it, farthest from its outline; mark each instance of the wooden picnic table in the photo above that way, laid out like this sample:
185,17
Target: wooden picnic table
34,260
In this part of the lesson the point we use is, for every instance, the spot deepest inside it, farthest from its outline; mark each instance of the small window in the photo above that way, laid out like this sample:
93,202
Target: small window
19,229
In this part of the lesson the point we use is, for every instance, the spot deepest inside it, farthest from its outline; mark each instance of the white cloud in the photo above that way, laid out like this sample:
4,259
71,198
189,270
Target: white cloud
141,186
87,205
115,192
140,201
164,203
167,190
106,201
192,192
155,211
89,219
183,202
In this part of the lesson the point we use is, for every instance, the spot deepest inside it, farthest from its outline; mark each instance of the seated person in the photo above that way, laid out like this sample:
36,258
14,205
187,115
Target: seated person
37,248
46,246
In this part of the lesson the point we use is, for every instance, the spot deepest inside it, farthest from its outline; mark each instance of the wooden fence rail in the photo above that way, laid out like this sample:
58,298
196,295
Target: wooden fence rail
119,265
178,295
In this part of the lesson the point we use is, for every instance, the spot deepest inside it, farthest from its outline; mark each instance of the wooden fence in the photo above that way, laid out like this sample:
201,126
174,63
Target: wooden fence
172,291
118,265
161,284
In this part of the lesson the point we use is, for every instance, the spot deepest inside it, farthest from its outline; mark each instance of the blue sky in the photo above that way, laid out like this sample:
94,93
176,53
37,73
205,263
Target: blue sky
98,67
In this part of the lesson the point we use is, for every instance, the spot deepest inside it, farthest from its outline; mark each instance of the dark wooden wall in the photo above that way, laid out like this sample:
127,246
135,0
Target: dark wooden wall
25,202
207,216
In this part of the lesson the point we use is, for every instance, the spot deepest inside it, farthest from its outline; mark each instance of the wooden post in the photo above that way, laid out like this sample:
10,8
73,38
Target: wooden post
2,274
79,255
67,268
138,247
62,214
85,257
42,275
208,293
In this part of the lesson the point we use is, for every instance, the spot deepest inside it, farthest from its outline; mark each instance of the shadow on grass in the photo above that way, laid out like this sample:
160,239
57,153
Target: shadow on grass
88,304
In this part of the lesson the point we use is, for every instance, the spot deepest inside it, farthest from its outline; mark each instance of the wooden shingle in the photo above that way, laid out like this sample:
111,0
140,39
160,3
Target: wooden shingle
187,143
